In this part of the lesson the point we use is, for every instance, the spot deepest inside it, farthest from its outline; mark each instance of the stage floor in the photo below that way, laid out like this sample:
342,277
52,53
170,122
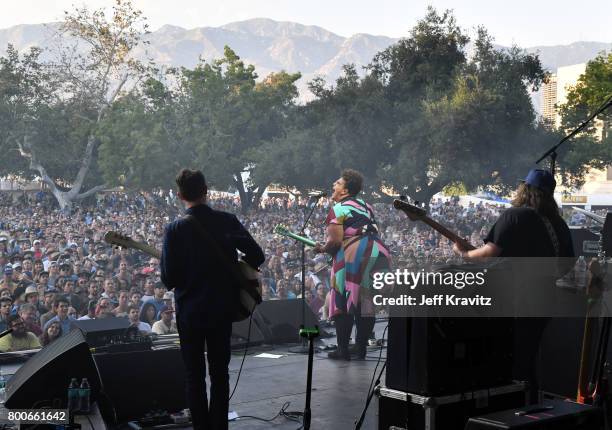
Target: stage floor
338,396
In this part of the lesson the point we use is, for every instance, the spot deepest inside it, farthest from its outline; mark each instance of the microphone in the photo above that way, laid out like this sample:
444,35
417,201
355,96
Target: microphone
318,194
314,198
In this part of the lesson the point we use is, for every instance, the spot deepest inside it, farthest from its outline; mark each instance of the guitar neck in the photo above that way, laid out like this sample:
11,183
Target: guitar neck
299,238
446,232
147,249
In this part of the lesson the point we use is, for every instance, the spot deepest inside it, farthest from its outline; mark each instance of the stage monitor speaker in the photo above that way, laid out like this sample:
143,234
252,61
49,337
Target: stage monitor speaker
280,320
551,415
440,356
240,333
43,380
585,241
135,383
100,332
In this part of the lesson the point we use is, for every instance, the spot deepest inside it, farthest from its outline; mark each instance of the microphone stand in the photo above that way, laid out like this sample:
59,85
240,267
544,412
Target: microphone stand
552,152
306,333
303,348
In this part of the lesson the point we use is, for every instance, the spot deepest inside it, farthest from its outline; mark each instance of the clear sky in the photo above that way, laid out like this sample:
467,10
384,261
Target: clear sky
524,22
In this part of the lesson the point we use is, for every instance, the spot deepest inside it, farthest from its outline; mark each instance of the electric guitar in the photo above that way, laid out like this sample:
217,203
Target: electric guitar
284,231
592,380
418,214
250,291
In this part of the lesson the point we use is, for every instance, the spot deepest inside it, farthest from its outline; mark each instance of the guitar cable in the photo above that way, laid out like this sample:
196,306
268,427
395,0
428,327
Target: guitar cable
246,348
372,386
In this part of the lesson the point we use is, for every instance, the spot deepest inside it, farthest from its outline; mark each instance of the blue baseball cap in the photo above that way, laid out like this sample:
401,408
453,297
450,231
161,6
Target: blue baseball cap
541,179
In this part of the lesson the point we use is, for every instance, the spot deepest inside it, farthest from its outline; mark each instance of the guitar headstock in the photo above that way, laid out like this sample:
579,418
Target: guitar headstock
118,239
281,229
414,213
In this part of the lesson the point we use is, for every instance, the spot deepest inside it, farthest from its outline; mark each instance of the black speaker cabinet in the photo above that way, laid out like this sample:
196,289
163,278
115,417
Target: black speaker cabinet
135,383
438,356
45,377
585,241
281,320
240,332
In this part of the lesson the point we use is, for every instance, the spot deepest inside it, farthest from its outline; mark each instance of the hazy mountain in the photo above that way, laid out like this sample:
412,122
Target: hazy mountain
273,46
553,57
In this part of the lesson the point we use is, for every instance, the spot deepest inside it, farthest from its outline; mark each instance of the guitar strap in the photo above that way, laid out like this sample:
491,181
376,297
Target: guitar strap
552,234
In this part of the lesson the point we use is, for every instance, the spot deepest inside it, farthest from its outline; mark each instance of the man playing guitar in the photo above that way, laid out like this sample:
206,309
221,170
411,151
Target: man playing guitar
205,295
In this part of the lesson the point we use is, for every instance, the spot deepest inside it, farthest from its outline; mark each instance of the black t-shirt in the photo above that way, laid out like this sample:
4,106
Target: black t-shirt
520,232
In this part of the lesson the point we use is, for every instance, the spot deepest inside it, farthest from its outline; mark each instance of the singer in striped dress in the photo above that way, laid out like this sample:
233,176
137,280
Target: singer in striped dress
358,252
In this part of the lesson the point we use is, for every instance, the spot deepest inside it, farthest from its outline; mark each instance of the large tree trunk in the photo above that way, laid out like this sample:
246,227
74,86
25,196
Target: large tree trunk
249,198
65,199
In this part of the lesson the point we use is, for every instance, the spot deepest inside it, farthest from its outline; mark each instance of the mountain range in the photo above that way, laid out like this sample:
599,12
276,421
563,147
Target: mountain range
273,45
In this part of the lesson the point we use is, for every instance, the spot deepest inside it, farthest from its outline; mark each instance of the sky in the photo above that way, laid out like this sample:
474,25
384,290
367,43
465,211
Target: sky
522,22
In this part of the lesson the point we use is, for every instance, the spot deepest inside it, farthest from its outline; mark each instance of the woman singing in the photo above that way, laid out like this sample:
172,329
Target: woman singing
358,252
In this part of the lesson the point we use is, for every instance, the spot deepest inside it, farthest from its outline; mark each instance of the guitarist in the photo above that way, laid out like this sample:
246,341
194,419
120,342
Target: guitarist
533,227
204,296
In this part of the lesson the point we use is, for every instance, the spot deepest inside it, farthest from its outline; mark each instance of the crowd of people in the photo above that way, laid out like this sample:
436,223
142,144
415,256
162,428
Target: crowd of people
56,268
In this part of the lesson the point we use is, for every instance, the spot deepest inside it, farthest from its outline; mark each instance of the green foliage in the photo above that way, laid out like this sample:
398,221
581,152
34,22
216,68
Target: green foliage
593,147
215,117
473,123
455,189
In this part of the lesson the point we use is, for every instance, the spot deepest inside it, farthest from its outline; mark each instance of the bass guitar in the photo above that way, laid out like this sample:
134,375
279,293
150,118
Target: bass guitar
415,213
250,291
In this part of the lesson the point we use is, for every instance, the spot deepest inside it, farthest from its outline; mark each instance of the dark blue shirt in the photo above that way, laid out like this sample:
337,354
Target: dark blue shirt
203,290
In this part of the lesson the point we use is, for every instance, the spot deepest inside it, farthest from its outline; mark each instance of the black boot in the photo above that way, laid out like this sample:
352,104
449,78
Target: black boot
344,325
339,354
365,325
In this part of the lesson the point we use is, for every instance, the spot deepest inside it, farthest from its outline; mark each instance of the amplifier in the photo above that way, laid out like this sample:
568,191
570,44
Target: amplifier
585,241
552,414
439,356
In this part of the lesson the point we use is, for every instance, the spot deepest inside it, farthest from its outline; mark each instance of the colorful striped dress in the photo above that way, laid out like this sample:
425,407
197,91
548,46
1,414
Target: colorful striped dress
362,253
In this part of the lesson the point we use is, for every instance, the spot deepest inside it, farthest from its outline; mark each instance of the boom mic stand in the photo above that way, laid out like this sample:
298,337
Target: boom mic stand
552,152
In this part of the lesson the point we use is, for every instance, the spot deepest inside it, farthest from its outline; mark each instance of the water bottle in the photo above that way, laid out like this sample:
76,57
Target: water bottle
580,272
84,397
73,396
2,387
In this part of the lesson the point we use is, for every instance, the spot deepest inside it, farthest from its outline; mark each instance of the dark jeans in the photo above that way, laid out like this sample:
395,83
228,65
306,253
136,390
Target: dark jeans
218,348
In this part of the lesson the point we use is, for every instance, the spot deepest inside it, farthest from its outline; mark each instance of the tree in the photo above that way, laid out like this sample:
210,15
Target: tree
458,121
141,147
227,117
348,125
92,68
593,147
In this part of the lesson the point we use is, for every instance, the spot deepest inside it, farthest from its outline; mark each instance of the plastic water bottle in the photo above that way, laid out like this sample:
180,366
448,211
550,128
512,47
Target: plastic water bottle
73,396
84,397
2,387
580,272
